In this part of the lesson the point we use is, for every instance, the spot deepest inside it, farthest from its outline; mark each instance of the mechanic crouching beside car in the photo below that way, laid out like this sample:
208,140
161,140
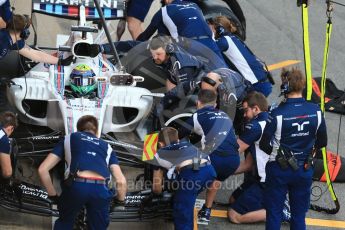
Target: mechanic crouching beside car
193,171
89,160
179,65
8,122
294,130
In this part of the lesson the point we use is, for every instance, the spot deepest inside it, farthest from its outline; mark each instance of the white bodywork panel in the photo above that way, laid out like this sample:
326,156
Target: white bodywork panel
48,85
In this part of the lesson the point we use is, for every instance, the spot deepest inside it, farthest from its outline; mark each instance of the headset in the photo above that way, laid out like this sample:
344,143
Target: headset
26,32
220,30
169,47
285,86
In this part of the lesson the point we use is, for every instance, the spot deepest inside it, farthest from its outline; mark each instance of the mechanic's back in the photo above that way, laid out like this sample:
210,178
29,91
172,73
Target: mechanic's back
88,162
88,153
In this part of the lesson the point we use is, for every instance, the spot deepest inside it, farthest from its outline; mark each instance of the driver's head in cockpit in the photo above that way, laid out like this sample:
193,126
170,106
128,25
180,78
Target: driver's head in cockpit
82,80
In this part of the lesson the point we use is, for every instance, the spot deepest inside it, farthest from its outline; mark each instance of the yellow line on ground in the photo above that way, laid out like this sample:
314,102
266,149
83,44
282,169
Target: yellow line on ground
219,213
195,219
325,223
282,64
309,221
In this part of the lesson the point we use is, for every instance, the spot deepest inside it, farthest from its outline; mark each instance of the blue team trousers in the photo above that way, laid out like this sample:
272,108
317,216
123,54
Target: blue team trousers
95,197
278,183
191,183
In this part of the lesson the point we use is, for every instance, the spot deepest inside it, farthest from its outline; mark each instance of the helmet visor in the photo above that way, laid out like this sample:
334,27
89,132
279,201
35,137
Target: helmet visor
83,81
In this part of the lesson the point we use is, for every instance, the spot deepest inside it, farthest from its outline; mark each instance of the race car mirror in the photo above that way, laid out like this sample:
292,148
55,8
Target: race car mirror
121,79
84,49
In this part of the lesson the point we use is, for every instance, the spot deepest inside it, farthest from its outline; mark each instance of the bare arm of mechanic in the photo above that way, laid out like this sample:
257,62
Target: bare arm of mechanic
43,171
245,165
152,27
37,55
2,23
169,85
5,164
157,181
243,145
120,180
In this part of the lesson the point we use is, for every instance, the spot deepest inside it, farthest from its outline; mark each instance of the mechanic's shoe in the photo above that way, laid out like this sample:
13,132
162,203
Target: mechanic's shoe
286,215
204,214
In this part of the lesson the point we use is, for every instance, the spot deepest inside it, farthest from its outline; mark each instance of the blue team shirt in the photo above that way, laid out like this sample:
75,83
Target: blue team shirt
5,146
216,130
251,136
240,58
84,151
175,153
178,19
6,43
5,11
182,67
295,125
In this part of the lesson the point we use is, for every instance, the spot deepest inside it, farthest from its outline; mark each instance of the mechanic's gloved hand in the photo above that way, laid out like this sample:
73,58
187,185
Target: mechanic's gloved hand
189,86
226,96
54,199
66,61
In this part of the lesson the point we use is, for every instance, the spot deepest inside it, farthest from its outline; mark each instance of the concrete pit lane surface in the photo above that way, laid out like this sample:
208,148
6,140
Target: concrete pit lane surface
274,33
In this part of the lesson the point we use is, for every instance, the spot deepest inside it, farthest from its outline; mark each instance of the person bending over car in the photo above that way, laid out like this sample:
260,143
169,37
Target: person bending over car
89,160
14,36
194,173
8,122
179,65
217,139
239,57
229,86
181,19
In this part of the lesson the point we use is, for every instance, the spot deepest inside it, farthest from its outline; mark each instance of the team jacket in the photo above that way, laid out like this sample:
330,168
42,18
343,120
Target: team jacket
233,89
295,125
175,153
7,44
178,19
216,131
84,151
239,57
5,146
251,136
182,67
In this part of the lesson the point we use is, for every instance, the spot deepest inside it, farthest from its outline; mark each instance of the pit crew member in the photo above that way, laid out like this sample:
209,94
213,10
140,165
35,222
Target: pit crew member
239,57
217,139
293,130
179,65
14,36
248,207
89,160
8,122
181,19
194,173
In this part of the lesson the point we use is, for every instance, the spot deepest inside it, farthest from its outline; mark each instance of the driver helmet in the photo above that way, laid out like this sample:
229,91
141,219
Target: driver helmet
82,80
